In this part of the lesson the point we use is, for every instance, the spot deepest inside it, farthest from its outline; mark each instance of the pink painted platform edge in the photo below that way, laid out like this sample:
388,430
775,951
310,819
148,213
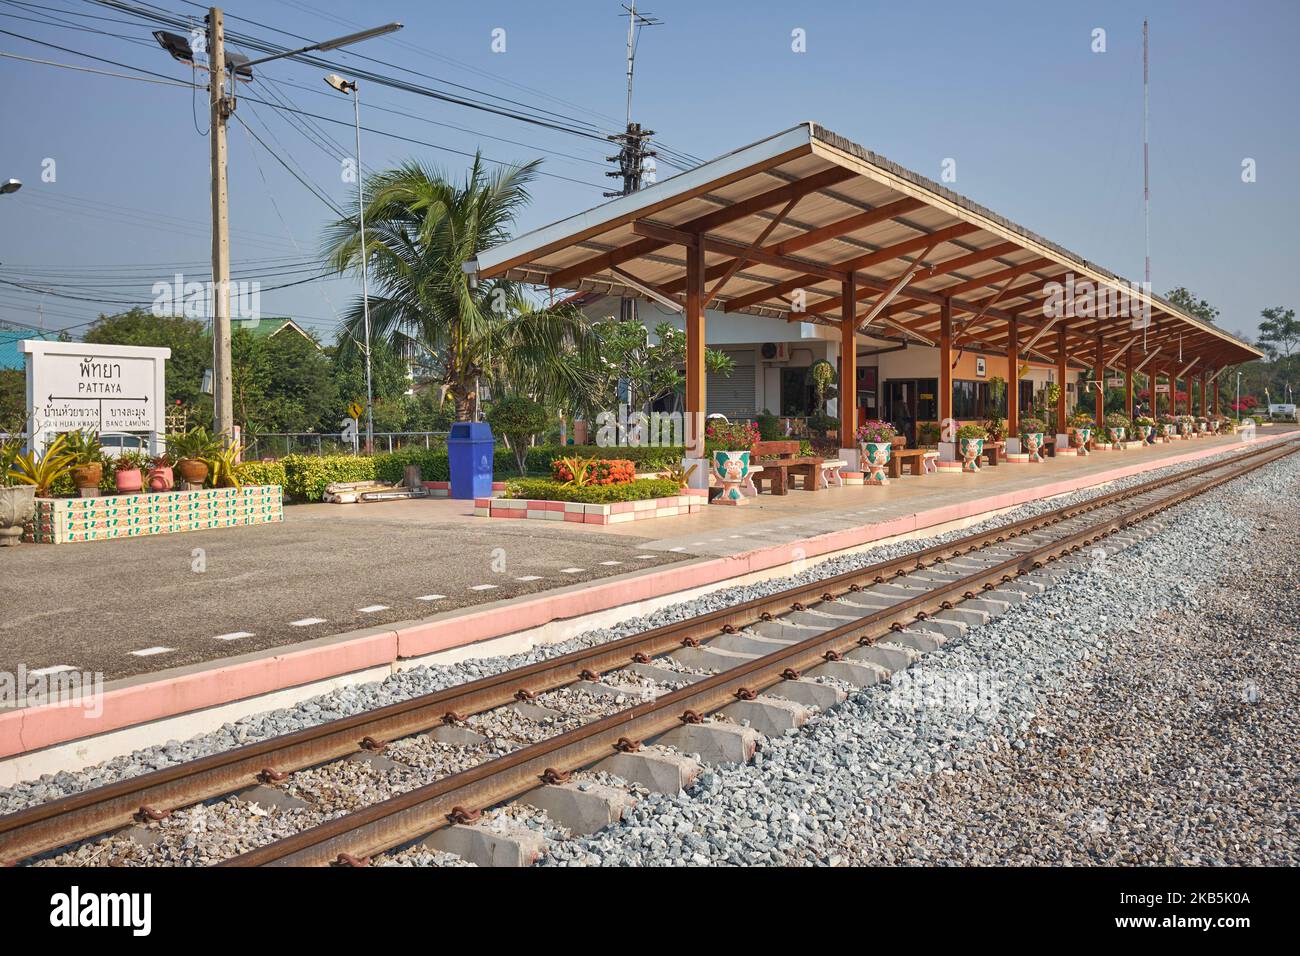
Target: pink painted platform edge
32,728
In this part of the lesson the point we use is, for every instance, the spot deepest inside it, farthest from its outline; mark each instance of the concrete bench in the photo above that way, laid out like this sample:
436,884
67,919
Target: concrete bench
830,470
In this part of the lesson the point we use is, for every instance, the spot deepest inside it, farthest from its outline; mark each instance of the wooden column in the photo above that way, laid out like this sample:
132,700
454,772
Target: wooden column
695,379
1061,372
1128,382
1099,372
848,363
945,362
1216,394
1013,378
1201,396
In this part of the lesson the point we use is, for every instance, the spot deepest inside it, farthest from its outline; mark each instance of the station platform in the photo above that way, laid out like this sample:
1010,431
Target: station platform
197,621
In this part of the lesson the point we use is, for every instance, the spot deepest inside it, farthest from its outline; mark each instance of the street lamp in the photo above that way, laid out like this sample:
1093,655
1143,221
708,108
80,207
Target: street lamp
10,186
350,87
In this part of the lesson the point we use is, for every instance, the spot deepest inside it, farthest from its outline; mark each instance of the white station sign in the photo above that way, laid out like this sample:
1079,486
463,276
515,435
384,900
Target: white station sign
102,388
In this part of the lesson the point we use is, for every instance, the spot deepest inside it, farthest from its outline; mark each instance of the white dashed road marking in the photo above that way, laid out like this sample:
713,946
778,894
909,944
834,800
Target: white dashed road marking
432,597
572,570
233,636
374,608
610,564
530,577
55,669
151,651
307,622
482,587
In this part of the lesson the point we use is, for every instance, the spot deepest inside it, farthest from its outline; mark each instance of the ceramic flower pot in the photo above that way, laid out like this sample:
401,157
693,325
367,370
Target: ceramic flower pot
1146,432
128,480
1033,445
87,476
1079,438
193,470
17,505
731,469
875,460
160,478
1116,438
971,449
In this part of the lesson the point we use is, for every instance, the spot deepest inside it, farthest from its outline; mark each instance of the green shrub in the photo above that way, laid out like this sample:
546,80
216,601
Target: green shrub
518,418
971,432
546,489
769,427
261,473
305,476
434,463
647,458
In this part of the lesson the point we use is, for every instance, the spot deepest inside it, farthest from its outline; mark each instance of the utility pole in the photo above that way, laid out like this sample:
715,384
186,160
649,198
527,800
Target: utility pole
1146,167
221,108
223,409
632,141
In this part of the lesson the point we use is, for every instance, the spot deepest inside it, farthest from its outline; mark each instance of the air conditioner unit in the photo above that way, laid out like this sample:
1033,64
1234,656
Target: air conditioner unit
775,352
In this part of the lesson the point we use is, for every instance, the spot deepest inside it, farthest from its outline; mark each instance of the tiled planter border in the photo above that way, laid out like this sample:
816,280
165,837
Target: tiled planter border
691,502
72,520
442,489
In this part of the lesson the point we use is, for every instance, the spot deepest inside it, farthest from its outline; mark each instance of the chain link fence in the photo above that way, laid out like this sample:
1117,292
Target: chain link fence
279,444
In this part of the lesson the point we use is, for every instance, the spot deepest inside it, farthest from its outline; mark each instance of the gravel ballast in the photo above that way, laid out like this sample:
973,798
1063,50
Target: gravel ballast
848,788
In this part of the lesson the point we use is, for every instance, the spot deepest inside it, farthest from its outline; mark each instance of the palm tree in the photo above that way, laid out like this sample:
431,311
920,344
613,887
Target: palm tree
420,228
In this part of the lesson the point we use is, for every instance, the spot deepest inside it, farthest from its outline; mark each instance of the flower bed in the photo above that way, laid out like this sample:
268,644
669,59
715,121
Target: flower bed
544,499
68,520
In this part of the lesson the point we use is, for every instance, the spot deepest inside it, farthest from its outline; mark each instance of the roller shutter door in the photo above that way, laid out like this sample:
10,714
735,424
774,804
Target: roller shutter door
734,396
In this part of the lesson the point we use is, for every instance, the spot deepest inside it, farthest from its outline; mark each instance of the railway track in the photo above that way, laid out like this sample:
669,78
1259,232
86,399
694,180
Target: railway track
765,662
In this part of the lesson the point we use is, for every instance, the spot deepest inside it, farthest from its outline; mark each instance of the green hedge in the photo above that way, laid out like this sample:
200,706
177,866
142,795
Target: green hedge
305,476
434,465
654,458
548,490
262,473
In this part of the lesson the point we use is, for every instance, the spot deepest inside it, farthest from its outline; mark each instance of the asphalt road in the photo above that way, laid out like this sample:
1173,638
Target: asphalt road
90,605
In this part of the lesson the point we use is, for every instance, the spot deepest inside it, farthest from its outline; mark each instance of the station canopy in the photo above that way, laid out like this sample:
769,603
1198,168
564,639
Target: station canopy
799,224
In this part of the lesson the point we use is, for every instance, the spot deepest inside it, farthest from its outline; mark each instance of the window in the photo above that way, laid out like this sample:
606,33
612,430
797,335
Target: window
967,399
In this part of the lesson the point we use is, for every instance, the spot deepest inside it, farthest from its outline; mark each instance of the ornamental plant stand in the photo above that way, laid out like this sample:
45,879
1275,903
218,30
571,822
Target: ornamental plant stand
1116,438
971,449
1034,445
1079,439
875,460
731,469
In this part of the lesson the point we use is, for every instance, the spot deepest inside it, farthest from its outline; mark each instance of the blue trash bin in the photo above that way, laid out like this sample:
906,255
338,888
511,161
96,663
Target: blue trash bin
469,452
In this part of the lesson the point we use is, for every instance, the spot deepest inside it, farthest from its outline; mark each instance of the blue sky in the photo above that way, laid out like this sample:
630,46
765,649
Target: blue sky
1042,129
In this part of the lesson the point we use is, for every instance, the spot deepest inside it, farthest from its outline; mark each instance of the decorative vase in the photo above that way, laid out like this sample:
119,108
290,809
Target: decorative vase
971,449
731,468
875,458
1116,438
193,470
1146,432
87,476
1033,443
160,478
128,480
17,505
1079,437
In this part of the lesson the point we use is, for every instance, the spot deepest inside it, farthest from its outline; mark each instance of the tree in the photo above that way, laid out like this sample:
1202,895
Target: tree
13,397
281,382
420,230
1189,303
519,419
187,338
1279,333
649,370
389,382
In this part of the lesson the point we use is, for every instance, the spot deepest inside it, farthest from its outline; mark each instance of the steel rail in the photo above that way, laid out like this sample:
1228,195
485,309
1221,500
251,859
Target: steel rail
79,816
409,816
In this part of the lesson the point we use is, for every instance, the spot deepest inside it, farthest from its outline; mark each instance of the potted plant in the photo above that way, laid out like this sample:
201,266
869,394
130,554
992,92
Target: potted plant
1031,437
927,434
21,477
970,441
128,471
191,450
875,442
87,461
160,476
996,429
1167,424
1202,424
1144,425
1185,425
1079,426
223,466
1117,426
